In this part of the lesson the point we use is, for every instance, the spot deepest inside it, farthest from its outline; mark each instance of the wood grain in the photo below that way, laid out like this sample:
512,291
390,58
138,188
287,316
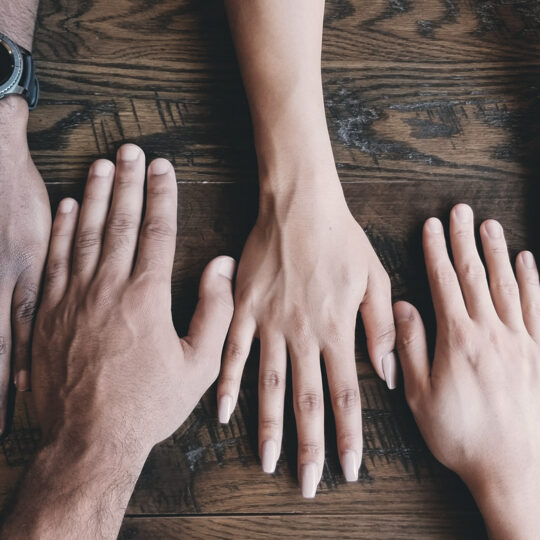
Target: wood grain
429,103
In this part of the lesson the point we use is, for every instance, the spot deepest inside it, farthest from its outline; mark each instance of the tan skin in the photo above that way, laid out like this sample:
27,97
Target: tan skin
111,378
478,403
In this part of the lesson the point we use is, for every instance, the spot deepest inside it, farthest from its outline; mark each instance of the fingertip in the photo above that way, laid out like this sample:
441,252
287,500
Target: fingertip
433,225
128,152
492,229
462,212
101,167
526,259
159,167
67,206
22,381
403,311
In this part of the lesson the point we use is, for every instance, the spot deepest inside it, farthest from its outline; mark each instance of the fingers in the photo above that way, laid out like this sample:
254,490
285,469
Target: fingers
529,292
157,240
470,270
272,375
376,311
212,317
124,219
59,262
502,282
237,350
6,294
445,290
345,393
309,414
24,306
412,349
93,215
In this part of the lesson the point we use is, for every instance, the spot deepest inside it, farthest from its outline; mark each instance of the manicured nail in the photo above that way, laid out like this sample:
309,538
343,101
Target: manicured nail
21,380
434,225
227,267
66,206
310,480
225,408
269,456
528,259
350,465
389,366
129,152
159,166
463,213
493,229
102,167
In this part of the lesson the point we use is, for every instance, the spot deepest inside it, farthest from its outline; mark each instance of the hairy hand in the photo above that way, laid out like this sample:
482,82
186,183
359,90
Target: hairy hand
305,271
478,404
25,222
108,363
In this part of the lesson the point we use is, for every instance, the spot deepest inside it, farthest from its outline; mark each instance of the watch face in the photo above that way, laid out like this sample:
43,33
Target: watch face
7,62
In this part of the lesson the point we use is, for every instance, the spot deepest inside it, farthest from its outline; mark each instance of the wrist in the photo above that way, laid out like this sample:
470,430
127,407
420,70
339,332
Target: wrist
13,113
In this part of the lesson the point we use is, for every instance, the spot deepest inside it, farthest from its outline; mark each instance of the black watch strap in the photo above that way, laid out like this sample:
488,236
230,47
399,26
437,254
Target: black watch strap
29,81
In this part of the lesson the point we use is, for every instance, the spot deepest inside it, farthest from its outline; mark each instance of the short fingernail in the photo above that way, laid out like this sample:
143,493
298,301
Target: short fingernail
21,380
159,166
227,267
269,456
225,408
129,152
463,213
102,167
350,465
66,206
310,480
403,313
493,229
528,259
389,366
434,225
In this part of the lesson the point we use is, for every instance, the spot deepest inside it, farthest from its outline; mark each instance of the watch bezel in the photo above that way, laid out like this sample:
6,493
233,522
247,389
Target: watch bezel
15,77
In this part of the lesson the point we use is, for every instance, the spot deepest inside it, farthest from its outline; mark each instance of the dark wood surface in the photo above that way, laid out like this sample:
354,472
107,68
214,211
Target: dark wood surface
429,103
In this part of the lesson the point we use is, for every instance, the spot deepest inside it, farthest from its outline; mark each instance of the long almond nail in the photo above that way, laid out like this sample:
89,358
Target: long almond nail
225,408
310,480
389,366
350,465
269,456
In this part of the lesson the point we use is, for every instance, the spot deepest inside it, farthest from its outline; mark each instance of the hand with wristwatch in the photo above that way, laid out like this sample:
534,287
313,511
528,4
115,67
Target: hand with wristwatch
25,220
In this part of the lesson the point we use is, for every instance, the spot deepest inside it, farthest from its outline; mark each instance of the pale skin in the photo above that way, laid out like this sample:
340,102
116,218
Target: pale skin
25,220
110,376
478,402
307,267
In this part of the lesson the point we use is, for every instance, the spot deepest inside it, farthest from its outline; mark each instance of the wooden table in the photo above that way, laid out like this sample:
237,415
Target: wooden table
429,103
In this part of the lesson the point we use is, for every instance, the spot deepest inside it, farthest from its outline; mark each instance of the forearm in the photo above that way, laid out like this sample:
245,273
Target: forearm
279,50
75,489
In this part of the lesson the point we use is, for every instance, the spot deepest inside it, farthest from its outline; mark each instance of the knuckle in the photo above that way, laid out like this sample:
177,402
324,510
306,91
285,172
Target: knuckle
121,223
161,185
308,402
346,399
4,345
87,239
271,380
270,423
472,270
347,439
384,333
505,286
407,337
235,352
55,270
157,229
309,448
443,275
25,310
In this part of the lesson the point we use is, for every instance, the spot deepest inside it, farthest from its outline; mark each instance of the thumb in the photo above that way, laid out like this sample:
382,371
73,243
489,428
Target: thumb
412,349
213,314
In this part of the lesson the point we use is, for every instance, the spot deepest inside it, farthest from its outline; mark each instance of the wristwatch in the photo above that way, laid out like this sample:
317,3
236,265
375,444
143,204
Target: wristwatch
17,72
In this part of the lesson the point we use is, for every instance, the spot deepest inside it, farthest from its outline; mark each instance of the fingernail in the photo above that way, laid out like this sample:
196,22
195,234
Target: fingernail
434,225
269,456
310,480
66,206
463,213
102,167
159,166
403,313
528,259
350,465
493,229
129,152
227,267
389,366
21,380
225,408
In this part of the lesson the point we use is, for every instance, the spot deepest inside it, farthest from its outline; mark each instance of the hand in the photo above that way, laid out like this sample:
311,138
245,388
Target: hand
478,404
108,363
306,269
25,222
